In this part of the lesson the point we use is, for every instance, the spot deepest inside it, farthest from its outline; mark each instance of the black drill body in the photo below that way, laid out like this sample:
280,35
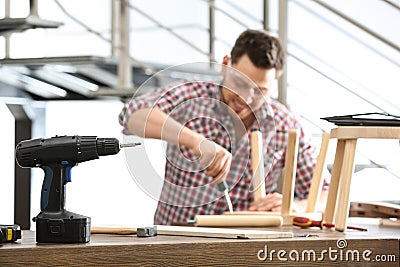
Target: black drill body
56,156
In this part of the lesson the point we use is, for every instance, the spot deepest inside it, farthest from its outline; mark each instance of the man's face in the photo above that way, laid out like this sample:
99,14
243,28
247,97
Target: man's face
244,94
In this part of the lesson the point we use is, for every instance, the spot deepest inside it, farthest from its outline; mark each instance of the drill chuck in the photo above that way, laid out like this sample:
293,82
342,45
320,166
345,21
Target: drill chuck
107,146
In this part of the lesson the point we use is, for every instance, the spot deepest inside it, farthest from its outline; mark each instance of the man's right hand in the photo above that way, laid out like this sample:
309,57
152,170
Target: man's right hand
214,159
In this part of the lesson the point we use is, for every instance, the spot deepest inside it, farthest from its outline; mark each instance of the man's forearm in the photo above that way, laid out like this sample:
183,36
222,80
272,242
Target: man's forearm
154,123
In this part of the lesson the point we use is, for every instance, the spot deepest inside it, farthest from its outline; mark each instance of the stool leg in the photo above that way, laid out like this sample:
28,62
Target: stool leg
289,178
345,182
331,201
257,163
317,179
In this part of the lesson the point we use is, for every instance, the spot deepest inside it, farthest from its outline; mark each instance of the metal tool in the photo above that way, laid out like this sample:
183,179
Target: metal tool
306,235
129,145
147,231
223,187
56,156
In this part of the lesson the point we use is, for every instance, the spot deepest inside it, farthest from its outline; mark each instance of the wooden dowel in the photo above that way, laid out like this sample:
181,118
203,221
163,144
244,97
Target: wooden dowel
257,164
238,220
290,171
113,230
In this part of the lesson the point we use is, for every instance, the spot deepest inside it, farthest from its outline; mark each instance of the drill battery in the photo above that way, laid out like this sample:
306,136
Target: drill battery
9,233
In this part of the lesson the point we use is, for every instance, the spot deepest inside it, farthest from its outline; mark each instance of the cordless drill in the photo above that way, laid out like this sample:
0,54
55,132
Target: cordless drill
56,156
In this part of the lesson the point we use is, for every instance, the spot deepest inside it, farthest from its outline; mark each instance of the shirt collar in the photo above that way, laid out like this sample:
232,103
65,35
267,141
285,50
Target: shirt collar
265,110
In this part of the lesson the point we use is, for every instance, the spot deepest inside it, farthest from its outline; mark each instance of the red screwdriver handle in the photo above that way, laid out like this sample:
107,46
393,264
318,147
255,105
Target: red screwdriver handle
304,222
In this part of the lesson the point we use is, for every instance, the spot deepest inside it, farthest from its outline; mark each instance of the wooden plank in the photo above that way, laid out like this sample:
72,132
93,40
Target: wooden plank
378,209
220,232
290,171
317,179
201,231
390,222
257,164
354,132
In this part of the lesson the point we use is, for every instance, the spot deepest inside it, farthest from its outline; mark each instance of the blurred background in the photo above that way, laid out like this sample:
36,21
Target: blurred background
67,67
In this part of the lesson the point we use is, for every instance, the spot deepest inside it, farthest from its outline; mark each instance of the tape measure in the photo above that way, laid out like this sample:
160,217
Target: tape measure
9,233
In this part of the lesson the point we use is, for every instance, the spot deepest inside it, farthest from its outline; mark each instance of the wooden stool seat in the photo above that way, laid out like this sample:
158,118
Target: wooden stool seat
338,203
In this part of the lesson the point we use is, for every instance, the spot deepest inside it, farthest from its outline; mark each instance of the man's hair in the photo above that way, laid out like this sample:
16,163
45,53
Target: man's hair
264,50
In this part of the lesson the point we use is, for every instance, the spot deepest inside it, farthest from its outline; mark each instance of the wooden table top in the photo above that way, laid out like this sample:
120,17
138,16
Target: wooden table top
161,250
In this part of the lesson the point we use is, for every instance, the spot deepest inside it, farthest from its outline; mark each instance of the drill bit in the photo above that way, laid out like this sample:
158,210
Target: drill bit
129,145
223,187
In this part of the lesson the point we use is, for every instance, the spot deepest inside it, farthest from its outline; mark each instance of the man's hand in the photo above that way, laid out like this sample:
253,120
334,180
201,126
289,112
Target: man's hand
273,202
215,159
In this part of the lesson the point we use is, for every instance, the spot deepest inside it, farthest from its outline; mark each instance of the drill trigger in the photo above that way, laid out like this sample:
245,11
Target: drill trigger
68,174
67,171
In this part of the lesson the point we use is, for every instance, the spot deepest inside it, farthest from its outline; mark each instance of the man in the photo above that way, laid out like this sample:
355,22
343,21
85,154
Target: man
207,127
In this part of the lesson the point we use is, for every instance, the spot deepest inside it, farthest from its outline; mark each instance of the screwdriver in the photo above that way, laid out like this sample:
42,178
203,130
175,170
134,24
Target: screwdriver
306,222
223,187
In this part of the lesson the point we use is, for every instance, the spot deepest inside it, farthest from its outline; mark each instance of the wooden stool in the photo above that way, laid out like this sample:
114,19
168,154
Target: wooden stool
289,175
337,206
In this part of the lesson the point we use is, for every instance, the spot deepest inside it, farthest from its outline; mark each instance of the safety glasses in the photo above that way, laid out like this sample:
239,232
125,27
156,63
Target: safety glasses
241,85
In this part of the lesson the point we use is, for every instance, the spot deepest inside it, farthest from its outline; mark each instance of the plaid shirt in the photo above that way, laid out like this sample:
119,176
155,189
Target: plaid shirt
187,191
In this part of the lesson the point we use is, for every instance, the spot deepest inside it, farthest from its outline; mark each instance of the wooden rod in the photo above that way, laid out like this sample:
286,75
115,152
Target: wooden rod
257,164
238,220
113,230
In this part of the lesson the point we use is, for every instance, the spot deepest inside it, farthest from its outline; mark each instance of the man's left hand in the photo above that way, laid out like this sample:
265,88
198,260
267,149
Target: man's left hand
273,202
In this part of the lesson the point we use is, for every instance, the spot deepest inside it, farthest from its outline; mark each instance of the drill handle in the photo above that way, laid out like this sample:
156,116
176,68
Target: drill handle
53,188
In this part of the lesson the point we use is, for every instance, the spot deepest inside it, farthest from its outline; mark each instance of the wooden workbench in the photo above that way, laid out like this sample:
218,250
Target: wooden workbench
111,250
